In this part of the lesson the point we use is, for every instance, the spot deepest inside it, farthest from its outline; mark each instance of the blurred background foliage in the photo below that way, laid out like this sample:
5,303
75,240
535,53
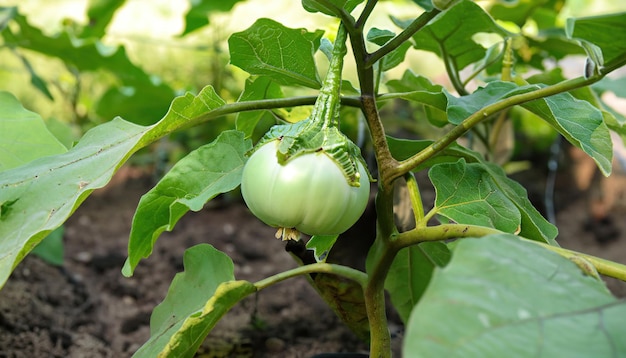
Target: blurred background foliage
79,63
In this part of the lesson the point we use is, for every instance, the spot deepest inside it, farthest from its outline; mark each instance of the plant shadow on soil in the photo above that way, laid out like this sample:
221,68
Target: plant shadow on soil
86,308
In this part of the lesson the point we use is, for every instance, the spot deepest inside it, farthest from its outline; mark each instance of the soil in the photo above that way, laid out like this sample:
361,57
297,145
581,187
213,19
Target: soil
86,308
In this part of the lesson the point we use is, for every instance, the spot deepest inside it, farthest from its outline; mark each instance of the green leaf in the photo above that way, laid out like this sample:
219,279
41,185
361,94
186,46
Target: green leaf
321,245
467,194
39,196
99,14
210,170
421,90
141,98
334,9
395,57
578,121
459,108
486,303
23,134
270,49
603,31
198,14
51,248
195,301
255,88
533,225
410,274
450,34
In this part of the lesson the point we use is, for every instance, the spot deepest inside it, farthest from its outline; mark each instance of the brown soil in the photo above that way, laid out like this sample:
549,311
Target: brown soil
88,309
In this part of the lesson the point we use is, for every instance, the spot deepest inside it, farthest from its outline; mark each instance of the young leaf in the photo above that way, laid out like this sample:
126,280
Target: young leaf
270,49
38,197
195,301
485,303
467,194
321,245
210,170
450,34
410,274
23,134
395,57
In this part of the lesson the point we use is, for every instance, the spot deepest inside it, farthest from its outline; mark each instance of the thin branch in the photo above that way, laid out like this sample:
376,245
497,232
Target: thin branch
485,113
406,34
236,107
367,11
319,267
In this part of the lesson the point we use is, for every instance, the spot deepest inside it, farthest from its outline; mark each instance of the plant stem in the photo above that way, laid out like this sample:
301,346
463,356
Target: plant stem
484,113
319,267
380,340
255,105
605,267
367,11
440,232
456,231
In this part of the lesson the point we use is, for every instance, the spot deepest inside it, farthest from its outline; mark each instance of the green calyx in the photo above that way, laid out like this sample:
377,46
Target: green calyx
320,132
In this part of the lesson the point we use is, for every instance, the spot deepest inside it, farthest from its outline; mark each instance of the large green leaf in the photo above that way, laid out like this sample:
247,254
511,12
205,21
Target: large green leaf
605,32
410,274
502,297
91,55
38,197
450,34
23,135
481,194
578,121
195,301
270,49
210,170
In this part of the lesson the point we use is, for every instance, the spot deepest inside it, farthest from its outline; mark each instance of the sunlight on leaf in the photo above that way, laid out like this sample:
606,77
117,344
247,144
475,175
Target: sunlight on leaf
285,55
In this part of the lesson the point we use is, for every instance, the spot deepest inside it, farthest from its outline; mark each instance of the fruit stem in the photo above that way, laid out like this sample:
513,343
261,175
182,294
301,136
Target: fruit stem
326,110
